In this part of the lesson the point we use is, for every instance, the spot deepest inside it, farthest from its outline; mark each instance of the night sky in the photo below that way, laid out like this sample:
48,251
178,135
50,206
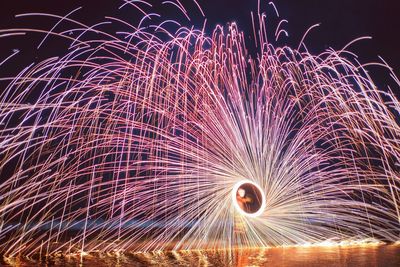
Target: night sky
341,22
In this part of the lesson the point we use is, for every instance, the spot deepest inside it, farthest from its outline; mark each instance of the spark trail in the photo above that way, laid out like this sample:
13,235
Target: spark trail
135,140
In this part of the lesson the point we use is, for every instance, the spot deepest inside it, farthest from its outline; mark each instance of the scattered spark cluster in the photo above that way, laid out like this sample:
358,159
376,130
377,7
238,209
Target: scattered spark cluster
135,141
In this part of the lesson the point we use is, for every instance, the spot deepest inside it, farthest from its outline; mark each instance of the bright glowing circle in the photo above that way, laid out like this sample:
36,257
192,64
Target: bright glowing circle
248,198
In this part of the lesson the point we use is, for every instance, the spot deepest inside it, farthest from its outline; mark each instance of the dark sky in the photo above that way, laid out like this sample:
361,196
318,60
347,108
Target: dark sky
341,21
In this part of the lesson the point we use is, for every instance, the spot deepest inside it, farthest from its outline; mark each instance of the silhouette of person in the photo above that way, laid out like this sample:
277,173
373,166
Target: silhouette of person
242,199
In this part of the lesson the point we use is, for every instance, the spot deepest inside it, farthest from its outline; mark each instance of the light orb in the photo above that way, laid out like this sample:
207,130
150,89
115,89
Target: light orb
248,198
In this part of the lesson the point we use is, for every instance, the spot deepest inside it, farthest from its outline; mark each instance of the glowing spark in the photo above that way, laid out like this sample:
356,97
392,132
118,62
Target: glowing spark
141,140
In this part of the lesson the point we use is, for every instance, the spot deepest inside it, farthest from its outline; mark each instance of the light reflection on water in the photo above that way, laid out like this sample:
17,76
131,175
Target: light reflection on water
385,255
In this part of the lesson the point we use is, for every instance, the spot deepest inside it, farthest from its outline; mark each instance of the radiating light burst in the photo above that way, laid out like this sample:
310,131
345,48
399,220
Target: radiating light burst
136,141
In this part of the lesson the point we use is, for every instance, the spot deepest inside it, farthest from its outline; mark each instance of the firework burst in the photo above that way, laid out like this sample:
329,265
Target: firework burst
141,140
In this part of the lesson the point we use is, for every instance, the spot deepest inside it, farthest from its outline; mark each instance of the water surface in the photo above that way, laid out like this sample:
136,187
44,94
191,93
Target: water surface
383,255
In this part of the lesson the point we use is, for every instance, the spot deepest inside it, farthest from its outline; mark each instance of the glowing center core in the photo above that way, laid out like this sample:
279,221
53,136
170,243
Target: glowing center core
248,198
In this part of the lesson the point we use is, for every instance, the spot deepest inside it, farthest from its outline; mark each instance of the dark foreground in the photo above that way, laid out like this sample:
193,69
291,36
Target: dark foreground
383,255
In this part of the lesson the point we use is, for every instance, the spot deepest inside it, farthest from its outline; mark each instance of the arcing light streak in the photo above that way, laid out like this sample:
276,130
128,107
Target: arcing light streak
134,141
